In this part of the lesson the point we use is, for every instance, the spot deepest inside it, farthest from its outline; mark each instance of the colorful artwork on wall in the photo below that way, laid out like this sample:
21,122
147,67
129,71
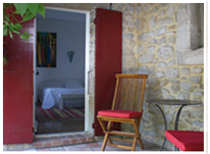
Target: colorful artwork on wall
46,49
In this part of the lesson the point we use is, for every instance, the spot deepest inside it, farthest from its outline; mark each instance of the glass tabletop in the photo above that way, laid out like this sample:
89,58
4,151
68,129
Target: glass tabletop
173,102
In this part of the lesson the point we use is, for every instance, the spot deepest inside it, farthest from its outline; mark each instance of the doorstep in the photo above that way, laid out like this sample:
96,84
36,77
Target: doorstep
52,141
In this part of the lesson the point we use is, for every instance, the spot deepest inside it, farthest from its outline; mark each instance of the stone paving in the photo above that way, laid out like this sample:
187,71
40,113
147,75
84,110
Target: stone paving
93,146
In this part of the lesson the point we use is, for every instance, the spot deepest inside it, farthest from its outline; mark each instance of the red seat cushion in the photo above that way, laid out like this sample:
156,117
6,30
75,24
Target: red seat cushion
186,140
119,113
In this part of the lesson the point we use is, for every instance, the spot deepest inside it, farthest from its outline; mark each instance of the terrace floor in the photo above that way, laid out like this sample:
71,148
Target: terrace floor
75,142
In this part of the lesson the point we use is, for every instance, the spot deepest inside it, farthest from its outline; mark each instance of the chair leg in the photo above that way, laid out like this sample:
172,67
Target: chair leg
104,142
140,143
134,144
108,129
136,125
106,134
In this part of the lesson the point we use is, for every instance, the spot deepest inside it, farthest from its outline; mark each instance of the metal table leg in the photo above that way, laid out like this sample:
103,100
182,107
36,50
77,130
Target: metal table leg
165,125
177,121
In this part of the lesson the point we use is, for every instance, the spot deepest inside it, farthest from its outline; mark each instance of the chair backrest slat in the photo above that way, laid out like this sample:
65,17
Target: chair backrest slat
129,92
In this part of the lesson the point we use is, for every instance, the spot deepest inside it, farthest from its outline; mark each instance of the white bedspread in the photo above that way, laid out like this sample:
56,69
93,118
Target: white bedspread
50,96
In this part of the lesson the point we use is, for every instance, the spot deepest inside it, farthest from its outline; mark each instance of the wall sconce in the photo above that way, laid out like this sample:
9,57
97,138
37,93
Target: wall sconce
70,55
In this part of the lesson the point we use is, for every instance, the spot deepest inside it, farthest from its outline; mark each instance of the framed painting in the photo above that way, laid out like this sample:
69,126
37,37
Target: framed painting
46,49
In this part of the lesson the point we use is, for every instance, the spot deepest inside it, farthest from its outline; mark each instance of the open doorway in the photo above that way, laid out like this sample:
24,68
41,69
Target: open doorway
60,89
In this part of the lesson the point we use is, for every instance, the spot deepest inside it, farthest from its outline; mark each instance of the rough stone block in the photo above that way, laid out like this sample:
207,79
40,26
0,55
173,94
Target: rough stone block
141,24
197,70
129,61
143,70
165,21
154,41
160,73
152,81
163,82
127,51
162,13
162,40
186,71
152,22
184,96
172,39
165,52
130,23
160,31
129,8
186,86
170,11
129,36
198,123
151,70
140,47
174,81
165,92
172,72
171,62
197,113
143,37
128,16
147,7
146,58
191,57
151,48
198,93
175,89
195,79
162,64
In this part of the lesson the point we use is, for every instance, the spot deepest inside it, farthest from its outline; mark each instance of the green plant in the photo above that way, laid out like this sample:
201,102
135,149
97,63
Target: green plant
14,14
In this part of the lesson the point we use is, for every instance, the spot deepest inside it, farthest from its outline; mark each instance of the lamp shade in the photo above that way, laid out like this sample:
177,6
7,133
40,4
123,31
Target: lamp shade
70,55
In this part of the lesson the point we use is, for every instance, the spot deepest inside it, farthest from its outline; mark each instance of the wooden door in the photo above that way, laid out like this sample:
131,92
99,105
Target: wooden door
108,60
18,88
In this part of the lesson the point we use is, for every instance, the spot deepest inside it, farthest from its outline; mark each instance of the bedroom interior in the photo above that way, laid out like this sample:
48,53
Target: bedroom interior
60,87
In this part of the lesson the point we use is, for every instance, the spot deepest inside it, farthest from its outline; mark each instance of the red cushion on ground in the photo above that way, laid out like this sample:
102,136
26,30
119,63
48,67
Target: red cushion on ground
119,113
186,140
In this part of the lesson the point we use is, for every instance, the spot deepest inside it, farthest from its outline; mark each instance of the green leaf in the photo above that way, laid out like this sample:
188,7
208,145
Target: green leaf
7,18
15,27
25,36
6,23
5,28
29,15
41,10
33,7
10,34
21,8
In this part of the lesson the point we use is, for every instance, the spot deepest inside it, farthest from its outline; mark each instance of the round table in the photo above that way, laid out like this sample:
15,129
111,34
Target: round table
183,103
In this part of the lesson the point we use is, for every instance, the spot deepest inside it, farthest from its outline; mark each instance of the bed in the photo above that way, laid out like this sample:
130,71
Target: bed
56,93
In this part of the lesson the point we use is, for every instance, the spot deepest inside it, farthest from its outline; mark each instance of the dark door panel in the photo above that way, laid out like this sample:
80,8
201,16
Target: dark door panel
108,60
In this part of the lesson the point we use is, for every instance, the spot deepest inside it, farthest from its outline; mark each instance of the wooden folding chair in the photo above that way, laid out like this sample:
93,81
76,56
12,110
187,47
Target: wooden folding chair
126,108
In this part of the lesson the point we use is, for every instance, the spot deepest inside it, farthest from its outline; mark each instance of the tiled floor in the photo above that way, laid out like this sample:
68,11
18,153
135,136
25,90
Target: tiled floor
95,146
76,142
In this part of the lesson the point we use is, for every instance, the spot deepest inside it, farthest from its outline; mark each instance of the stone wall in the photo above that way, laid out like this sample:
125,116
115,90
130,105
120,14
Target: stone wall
158,40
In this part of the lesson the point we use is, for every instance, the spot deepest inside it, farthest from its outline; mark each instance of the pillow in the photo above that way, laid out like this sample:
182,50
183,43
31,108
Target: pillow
53,84
73,83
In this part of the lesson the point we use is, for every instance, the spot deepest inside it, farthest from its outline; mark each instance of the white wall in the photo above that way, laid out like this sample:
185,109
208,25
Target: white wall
70,36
